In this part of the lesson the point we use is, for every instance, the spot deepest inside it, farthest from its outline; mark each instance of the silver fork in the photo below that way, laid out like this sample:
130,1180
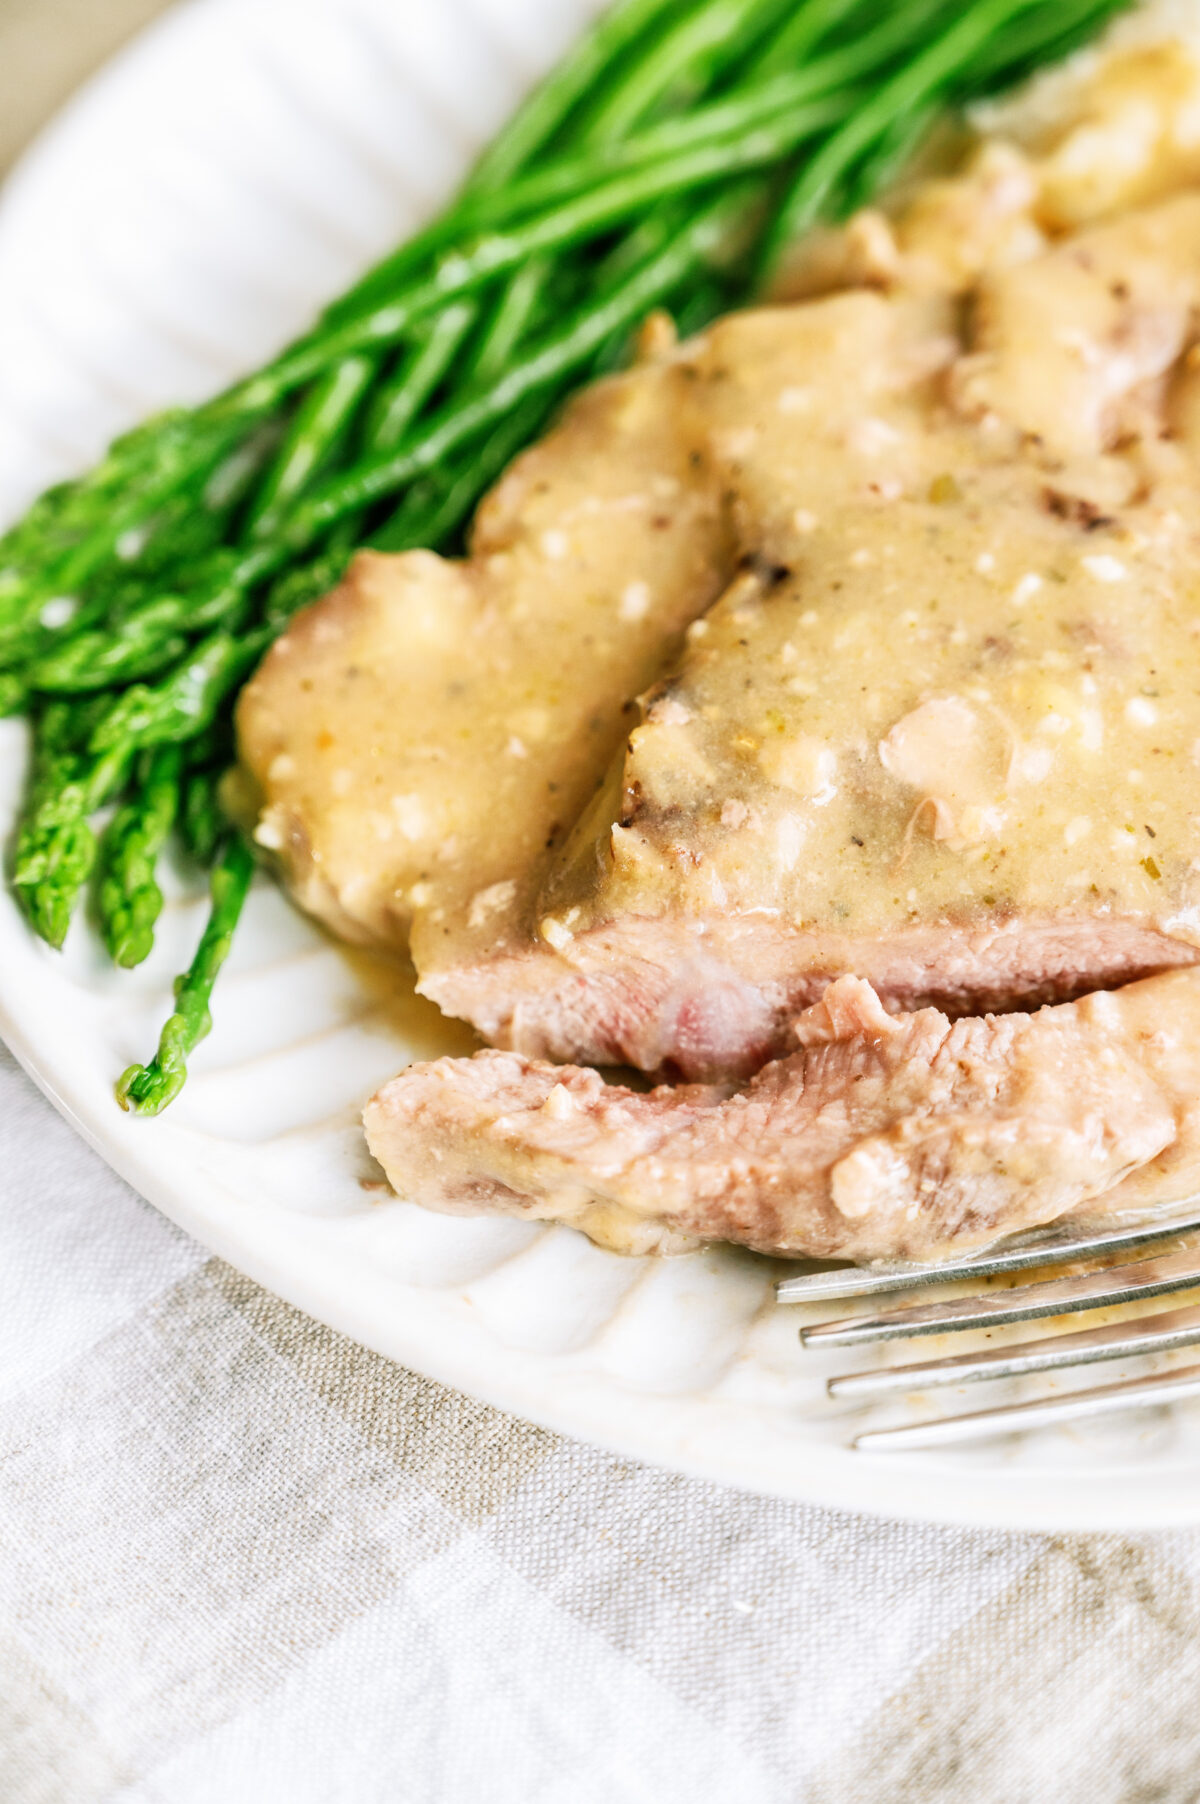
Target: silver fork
1155,1275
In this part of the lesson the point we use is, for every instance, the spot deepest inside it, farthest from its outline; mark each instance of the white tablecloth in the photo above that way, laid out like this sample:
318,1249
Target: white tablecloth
242,1561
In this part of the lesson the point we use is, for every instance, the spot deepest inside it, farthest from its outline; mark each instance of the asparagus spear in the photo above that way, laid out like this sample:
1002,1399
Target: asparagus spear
320,422
398,402
493,253
432,518
313,354
185,459
149,636
55,847
140,658
183,703
147,1089
128,898
323,418
728,123
14,693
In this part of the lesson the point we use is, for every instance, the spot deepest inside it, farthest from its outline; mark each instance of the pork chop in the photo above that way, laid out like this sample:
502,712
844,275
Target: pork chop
878,1137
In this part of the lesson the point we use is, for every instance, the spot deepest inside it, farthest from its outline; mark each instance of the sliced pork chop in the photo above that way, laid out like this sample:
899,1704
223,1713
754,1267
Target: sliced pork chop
879,1137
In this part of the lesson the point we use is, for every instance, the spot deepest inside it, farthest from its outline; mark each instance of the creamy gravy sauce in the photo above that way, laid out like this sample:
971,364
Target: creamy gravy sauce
961,678
963,675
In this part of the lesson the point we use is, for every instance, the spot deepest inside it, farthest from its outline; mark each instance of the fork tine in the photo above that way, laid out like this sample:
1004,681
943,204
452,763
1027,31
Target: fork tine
1026,1302
1087,1346
1012,1418
1042,1247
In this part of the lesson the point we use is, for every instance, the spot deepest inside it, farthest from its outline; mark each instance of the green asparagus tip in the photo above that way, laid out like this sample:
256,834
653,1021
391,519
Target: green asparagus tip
131,1087
135,945
48,911
147,1089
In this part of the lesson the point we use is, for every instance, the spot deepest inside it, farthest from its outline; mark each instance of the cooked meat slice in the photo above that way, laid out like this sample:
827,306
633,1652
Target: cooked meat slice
942,731
879,1137
422,738
706,998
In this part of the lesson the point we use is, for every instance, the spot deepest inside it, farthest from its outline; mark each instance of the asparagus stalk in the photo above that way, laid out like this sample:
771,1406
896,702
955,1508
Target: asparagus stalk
431,519
147,1089
311,440
322,420
185,702
55,847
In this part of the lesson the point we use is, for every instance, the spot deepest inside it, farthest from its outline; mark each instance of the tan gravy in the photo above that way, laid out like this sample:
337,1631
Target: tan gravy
964,674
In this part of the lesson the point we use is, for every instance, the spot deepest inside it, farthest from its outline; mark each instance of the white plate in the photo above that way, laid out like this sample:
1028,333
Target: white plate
232,170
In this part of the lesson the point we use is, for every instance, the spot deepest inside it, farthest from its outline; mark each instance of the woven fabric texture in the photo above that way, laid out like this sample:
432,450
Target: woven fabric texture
243,1561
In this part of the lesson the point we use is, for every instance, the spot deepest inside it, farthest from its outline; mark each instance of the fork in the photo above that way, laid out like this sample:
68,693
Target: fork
1156,1275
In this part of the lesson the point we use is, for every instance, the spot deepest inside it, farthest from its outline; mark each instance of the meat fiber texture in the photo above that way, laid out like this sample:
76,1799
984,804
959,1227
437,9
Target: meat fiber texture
877,1138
